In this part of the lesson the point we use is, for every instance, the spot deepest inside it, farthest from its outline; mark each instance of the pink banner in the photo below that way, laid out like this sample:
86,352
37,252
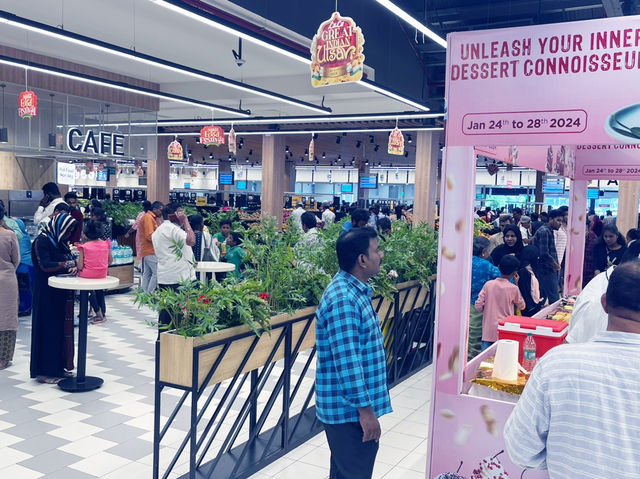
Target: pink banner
608,162
537,85
558,160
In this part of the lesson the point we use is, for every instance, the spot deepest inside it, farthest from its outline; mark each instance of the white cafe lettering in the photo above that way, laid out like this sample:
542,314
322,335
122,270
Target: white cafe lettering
98,143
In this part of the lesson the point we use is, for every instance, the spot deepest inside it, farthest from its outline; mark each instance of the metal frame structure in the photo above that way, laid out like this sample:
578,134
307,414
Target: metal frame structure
273,411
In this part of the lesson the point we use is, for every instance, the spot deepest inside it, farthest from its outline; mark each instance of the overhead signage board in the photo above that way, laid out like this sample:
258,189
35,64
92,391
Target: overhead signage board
526,85
337,52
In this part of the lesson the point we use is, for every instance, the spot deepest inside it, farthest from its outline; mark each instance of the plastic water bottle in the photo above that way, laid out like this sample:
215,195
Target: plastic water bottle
529,353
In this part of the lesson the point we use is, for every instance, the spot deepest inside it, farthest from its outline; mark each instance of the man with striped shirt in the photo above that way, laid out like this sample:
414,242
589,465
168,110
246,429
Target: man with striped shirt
579,414
351,371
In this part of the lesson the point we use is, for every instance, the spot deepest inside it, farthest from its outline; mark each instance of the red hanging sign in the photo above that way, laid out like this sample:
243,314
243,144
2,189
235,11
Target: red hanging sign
396,143
175,151
27,105
232,141
312,149
212,136
337,52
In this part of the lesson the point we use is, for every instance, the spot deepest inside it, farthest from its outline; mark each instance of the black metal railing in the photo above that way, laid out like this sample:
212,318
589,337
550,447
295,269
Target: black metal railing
252,417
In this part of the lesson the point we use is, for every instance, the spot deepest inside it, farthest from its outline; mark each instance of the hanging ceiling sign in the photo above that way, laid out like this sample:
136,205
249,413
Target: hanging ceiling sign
337,52
95,142
232,141
396,142
175,151
312,149
212,136
27,105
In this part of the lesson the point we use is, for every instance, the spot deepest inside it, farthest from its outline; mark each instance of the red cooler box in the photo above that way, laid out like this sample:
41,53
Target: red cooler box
547,333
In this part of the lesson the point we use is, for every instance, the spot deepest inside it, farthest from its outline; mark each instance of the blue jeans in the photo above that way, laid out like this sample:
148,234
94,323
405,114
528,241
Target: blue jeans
549,285
486,344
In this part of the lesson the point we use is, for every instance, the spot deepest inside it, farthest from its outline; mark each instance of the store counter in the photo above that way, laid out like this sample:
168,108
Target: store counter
124,272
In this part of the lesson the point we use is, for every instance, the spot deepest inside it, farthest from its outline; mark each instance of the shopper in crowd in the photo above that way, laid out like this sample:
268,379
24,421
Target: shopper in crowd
512,244
561,235
51,197
11,223
591,239
482,271
148,225
51,256
9,298
351,371
609,219
609,249
516,214
225,230
525,230
632,235
496,239
328,216
25,272
58,210
309,238
527,281
588,318
497,299
173,268
146,207
548,265
359,219
71,198
205,248
234,253
374,216
399,213
93,263
535,223
99,216
297,214
384,227
579,414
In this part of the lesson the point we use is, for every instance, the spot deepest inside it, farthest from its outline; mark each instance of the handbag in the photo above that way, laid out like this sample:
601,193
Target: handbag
207,255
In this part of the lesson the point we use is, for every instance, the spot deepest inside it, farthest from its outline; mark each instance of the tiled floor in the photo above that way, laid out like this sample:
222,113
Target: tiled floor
107,433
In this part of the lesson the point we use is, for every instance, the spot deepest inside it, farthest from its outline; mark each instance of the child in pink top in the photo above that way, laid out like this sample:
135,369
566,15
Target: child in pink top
498,298
93,263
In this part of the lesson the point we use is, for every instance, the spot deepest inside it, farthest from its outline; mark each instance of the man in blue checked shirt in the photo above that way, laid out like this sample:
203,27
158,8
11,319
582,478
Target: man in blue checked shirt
351,375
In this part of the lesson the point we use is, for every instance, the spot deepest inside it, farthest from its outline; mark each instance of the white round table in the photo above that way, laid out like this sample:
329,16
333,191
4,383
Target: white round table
72,283
213,267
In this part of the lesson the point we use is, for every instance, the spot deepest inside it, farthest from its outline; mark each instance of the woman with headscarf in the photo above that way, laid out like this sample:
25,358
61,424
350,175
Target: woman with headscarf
51,256
9,260
527,282
512,244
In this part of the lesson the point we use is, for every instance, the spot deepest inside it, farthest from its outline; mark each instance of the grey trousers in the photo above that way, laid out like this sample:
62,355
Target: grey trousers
149,273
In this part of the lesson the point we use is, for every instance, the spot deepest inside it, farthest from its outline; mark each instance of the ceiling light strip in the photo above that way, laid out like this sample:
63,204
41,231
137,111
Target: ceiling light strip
400,13
297,132
210,20
104,47
116,85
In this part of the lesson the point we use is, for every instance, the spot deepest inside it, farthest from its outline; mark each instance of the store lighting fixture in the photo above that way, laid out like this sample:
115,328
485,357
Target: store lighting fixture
376,148
52,135
371,139
4,60
400,13
104,47
4,132
227,27
338,140
409,139
324,155
358,144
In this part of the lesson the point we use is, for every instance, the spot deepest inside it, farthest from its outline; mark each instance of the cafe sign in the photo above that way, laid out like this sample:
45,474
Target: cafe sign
212,136
396,142
175,151
337,52
27,104
89,141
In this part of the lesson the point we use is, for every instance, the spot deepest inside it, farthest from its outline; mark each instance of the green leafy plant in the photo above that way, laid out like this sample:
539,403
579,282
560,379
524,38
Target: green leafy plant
197,309
121,212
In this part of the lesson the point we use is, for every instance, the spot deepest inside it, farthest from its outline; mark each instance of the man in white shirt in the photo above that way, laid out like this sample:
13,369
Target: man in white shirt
579,414
328,216
50,200
172,243
297,214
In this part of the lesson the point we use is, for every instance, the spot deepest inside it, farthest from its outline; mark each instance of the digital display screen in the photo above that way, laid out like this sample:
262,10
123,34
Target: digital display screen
187,185
226,178
593,194
241,185
347,188
102,175
369,182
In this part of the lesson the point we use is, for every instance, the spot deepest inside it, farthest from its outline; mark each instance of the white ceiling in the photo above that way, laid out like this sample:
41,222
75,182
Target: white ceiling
153,30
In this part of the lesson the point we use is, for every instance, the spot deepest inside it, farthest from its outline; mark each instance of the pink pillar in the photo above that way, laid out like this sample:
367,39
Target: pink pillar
577,230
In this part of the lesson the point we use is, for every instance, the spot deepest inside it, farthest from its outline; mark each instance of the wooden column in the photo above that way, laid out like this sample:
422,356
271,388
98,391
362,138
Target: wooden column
158,173
627,205
273,176
426,188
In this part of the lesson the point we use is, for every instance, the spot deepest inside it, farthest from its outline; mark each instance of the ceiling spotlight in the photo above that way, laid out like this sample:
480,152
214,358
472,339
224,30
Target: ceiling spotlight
371,139
338,139
409,139
353,158
197,140
306,152
344,133
315,136
366,162
379,163
406,154
376,148
211,156
331,163
324,155
250,152
358,144
286,149
247,159
339,157
230,157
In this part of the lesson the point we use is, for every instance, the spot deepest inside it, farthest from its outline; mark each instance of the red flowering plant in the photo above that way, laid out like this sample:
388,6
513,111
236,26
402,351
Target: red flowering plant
197,309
